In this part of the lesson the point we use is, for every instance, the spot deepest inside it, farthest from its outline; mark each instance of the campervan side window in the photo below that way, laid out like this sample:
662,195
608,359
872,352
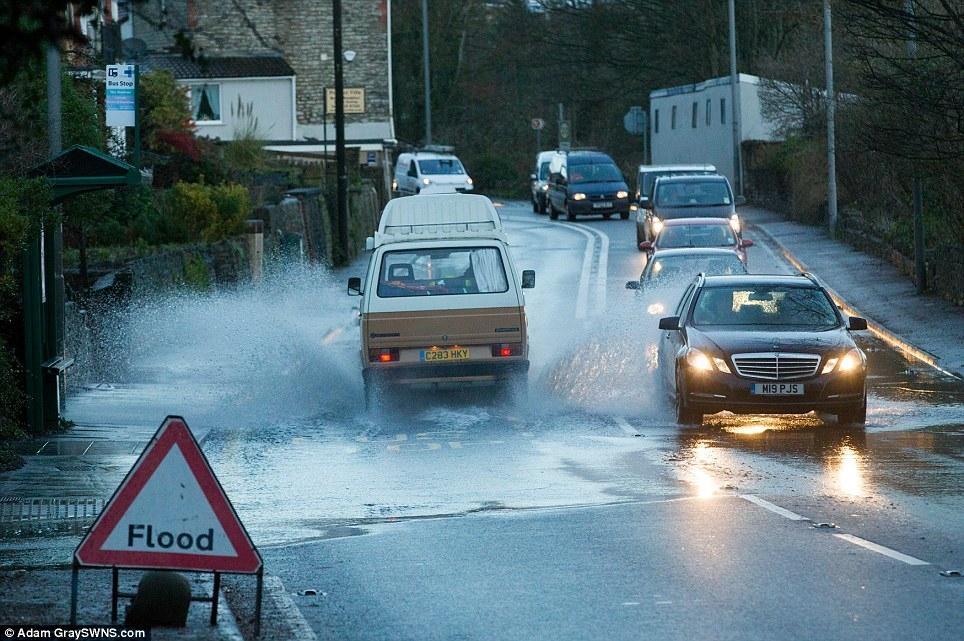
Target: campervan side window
722,111
672,118
656,122
708,112
693,117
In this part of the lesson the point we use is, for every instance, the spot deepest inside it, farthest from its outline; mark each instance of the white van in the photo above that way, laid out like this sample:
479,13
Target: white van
426,172
442,302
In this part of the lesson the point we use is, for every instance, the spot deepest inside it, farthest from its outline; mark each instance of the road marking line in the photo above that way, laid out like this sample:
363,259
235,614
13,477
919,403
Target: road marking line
401,437
434,446
332,336
602,273
42,447
880,549
776,509
394,448
300,629
582,296
87,449
627,603
625,426
455,445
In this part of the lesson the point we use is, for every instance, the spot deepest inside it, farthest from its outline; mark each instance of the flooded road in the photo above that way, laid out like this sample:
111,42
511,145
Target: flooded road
591,467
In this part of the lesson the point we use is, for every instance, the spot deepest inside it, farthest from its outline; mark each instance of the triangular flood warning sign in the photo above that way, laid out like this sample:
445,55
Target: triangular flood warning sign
170,513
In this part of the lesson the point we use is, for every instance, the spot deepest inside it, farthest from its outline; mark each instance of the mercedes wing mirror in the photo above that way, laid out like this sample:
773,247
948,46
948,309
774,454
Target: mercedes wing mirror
857,323
354,286
669,323
528,279
746,242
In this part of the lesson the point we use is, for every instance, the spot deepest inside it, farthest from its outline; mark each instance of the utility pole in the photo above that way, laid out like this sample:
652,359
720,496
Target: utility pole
920,264
340,162
54,292
427,75
735,100
831,135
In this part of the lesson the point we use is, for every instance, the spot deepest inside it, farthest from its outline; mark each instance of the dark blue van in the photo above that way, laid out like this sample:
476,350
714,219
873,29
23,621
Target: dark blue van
583,183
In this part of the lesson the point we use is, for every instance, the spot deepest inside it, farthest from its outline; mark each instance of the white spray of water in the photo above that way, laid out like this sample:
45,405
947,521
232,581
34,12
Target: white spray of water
275,351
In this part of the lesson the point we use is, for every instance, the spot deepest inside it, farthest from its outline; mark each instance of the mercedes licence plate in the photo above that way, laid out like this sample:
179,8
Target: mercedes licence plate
444,354
778,389
606,204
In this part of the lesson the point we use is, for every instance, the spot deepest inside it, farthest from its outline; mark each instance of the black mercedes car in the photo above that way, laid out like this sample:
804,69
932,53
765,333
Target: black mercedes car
762,344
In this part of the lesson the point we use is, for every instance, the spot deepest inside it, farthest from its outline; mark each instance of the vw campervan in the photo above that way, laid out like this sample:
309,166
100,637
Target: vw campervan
442,302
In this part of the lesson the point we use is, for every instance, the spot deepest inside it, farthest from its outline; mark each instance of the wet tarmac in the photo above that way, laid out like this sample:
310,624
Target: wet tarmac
269,381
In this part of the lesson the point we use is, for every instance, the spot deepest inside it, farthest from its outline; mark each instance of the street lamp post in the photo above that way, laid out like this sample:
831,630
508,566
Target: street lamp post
831,135
341,197
735,100
425,72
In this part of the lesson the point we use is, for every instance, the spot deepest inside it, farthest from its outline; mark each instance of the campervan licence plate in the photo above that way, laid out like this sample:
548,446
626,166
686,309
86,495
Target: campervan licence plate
778,389
444,354
602,205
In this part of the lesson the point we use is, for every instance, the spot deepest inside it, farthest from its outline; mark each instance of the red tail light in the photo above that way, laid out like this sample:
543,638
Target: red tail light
507,349
383,355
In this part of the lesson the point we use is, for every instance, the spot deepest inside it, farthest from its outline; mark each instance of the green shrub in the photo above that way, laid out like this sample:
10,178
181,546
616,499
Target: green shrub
197,212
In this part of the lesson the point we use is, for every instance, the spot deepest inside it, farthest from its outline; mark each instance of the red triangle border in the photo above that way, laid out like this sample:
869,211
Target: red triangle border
172,432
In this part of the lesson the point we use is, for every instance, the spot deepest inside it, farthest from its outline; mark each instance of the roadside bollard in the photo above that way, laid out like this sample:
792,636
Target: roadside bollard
255,249
162,599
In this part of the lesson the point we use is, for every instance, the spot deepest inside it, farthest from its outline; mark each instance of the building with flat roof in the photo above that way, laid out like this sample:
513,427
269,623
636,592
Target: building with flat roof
692,124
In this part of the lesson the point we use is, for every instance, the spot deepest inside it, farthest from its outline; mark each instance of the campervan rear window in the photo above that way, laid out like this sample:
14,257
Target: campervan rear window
442,272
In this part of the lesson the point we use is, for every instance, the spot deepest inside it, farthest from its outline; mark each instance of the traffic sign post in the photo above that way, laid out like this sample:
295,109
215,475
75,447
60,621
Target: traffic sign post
538,124
635,123
169,513
121,102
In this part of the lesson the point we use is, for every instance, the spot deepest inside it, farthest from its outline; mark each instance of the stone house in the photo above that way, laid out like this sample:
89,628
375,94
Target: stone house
277,56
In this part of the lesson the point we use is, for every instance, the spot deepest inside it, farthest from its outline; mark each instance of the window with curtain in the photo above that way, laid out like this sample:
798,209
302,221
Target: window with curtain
442,272
206,102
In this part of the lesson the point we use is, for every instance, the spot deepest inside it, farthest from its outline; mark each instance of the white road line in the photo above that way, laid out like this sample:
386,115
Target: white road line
625,426
880,549
582,295
275,590
776,509
455,445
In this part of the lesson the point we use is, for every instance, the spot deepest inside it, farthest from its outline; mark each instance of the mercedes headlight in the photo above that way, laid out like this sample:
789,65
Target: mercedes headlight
849,362
698,360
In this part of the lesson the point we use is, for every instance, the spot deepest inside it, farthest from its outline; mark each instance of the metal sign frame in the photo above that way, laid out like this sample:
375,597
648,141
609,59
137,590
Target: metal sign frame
173,432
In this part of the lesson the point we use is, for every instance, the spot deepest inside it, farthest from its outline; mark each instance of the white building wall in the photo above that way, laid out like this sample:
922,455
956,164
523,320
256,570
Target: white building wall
709,142
273,107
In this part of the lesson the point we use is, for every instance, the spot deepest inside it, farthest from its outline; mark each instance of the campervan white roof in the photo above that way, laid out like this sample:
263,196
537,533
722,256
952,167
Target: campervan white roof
438,216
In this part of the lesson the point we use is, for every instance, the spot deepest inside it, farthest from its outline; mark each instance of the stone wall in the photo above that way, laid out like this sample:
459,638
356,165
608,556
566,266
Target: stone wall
298,30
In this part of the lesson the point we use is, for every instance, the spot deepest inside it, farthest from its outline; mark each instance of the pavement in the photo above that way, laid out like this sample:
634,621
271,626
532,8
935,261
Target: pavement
873,287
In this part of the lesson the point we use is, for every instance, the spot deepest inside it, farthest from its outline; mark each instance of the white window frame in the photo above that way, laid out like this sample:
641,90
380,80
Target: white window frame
219,85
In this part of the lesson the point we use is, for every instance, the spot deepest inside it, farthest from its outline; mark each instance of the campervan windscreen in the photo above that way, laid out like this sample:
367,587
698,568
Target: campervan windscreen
441,167
440,272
